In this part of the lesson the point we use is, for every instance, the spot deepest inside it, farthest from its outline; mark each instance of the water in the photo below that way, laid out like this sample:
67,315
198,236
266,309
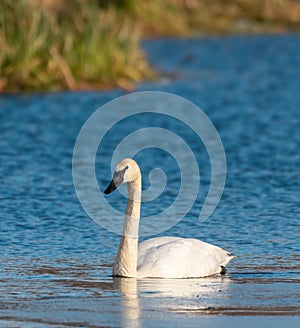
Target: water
56,262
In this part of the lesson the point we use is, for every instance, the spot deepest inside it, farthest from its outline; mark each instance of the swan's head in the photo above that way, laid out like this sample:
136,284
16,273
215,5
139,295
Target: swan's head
127,170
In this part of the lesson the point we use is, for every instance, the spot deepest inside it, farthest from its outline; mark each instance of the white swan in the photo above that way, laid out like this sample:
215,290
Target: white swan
162,257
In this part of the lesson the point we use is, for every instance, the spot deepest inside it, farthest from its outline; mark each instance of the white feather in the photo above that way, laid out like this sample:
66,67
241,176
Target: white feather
173,257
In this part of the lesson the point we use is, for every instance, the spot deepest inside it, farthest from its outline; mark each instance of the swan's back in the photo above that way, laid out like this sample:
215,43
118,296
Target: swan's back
173,257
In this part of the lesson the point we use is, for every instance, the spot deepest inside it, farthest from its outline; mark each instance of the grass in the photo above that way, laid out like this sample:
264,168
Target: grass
94,44
76,47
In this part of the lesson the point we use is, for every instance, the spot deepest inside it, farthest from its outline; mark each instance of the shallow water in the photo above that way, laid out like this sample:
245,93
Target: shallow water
56,261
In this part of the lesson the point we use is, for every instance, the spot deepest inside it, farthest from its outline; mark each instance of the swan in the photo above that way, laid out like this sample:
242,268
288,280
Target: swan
161,257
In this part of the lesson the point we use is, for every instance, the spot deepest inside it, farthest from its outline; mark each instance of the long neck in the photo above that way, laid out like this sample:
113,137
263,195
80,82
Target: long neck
126,261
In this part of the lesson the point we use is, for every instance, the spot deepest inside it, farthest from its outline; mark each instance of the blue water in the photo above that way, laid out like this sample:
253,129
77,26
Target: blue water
51,249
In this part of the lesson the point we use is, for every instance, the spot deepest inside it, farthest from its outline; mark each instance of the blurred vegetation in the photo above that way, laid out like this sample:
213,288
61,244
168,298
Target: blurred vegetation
70,46
94,44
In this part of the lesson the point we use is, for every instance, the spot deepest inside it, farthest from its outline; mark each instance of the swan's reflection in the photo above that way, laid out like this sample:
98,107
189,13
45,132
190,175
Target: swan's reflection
169,294
130,301
185,288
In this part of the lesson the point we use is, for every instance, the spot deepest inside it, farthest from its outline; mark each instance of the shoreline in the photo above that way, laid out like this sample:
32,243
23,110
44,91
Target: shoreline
159,74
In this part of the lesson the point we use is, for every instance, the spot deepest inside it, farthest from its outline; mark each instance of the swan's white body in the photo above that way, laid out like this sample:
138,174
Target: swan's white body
173,257
162,257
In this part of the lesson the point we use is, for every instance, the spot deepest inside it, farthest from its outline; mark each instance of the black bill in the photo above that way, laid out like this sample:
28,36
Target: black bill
116,181
110,188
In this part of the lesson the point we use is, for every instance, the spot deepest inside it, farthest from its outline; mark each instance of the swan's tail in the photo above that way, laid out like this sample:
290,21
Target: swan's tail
228,259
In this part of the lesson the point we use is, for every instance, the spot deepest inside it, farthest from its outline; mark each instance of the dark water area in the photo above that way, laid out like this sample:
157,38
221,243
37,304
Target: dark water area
56,261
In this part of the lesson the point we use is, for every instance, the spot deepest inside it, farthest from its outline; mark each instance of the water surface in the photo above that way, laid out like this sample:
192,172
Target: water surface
56,262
